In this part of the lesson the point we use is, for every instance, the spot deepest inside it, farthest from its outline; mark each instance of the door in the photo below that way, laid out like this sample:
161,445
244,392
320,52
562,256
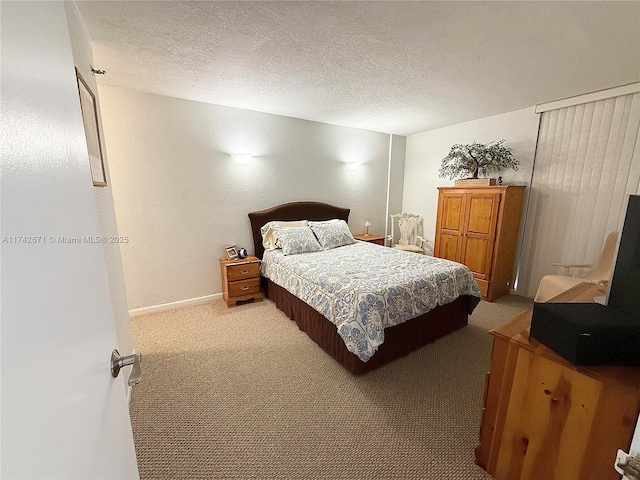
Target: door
63,415
450,226
479,233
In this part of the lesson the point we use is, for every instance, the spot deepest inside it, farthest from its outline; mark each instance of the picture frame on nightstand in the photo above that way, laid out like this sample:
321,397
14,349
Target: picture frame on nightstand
231,251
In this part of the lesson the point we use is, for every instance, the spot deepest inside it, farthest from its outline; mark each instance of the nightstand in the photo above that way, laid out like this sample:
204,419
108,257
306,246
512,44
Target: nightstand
240,280
371,239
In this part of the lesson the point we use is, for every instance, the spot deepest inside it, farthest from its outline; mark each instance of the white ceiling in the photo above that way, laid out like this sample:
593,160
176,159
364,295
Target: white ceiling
394,67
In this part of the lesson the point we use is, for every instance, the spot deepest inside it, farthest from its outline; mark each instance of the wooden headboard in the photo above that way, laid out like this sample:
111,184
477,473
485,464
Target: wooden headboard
315,211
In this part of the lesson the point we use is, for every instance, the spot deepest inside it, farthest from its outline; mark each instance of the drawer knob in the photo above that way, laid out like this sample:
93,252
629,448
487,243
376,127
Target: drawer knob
244,272
246,287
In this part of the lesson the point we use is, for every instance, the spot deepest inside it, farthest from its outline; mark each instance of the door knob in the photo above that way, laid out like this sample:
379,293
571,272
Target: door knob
118,361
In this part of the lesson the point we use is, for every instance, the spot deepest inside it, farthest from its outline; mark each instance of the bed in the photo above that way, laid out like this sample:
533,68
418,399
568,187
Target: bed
397,340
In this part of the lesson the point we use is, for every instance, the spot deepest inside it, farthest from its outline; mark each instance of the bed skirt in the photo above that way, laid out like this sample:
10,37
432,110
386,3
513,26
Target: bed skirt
399,341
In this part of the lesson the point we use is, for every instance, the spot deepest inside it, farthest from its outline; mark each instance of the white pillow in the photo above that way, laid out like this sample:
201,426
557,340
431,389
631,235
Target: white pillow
332,234
268,235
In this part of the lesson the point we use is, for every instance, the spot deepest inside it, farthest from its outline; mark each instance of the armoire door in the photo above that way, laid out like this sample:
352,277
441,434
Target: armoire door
479,233
451,226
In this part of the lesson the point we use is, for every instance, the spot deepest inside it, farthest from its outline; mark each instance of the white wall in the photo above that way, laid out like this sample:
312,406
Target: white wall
426,150
180,198
83,60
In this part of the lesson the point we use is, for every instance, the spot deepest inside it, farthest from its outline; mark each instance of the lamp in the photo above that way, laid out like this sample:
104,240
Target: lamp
352,165
367,224
241,158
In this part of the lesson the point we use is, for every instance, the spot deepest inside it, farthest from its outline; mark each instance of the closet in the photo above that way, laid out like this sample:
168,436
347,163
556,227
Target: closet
478,227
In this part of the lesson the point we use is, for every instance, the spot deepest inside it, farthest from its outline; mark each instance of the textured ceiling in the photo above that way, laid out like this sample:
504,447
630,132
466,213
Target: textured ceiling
394,67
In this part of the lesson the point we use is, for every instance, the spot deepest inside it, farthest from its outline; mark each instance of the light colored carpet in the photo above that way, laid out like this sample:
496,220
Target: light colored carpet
243,393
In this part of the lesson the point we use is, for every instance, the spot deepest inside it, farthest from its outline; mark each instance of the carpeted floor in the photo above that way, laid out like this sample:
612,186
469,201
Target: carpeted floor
242,393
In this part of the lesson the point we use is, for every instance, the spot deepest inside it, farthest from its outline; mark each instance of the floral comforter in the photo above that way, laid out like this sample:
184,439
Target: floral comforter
364,288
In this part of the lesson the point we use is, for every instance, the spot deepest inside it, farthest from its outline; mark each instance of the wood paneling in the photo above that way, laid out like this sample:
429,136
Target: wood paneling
549,411
483,285
453,212
450,246
483,209
477,256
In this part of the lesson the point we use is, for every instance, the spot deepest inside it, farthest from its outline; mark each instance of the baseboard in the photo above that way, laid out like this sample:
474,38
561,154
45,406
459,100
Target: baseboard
169,306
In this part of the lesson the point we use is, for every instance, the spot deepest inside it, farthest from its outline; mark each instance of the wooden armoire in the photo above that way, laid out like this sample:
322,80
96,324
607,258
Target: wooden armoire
478,227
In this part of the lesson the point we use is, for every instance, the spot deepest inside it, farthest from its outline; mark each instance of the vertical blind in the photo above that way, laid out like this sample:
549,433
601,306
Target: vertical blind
587,161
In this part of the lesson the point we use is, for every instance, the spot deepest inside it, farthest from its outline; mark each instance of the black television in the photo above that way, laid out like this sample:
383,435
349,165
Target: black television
623,293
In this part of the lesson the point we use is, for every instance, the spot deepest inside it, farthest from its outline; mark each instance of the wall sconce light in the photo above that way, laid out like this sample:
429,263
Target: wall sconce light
352,165
367,224
241,158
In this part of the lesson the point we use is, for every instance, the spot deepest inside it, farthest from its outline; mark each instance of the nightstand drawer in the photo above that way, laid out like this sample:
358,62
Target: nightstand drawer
244,287
242,271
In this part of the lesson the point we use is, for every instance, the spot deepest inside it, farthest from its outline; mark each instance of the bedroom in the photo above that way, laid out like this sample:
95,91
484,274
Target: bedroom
179,233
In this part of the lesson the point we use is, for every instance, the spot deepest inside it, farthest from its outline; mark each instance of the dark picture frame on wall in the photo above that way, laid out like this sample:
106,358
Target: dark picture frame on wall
92,132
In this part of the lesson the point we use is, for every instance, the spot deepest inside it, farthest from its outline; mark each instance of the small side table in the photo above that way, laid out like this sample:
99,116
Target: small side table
371,239
240,280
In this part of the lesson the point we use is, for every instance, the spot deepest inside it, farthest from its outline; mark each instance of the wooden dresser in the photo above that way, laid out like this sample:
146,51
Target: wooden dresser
545,418
478,226
240,280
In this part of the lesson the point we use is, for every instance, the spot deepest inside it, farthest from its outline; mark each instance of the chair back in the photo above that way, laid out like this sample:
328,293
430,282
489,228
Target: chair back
409,228
552,285
604,267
